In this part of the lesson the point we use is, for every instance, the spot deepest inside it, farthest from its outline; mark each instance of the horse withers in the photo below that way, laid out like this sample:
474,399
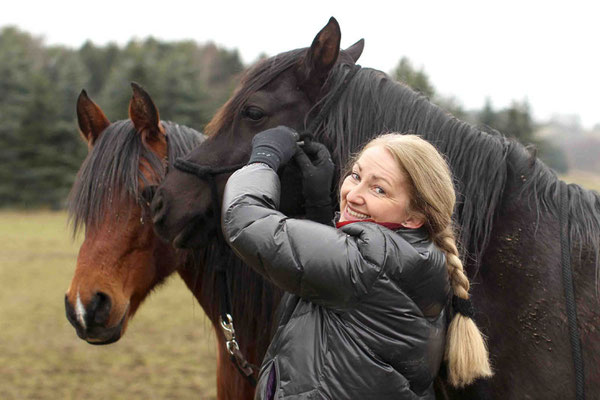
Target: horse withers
507,210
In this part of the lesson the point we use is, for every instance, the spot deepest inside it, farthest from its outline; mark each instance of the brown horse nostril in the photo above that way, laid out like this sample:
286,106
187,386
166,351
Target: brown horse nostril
99,309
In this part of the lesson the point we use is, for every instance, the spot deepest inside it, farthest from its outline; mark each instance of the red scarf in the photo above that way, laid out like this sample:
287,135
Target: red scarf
390,225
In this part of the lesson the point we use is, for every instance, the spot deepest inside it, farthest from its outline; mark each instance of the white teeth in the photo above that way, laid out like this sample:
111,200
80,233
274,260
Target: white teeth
355,214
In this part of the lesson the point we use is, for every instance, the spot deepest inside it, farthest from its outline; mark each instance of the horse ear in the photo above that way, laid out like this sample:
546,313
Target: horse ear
356,50
143,113
90,118
322,55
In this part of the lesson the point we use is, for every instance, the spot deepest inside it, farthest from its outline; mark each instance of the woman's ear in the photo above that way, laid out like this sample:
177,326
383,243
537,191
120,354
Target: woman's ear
414,221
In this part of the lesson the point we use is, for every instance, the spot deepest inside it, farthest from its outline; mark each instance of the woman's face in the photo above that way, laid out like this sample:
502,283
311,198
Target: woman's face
376,189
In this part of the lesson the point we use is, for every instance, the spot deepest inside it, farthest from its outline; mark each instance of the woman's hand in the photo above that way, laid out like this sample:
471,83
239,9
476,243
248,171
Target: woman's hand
274,147
314,161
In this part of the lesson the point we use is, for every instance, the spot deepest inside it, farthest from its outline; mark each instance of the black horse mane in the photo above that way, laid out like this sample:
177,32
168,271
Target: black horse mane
110,172
373,103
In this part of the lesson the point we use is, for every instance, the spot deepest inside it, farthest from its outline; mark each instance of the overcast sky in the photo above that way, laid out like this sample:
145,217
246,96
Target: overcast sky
505,50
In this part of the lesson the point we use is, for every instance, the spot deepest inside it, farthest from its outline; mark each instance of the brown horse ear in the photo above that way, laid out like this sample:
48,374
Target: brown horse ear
321,56
356,50
90,118
143,113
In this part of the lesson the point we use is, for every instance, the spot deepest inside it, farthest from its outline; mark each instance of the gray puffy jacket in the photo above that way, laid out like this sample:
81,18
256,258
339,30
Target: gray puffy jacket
365,314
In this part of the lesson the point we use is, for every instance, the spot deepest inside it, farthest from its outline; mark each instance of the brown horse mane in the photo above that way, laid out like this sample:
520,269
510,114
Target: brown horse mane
115,158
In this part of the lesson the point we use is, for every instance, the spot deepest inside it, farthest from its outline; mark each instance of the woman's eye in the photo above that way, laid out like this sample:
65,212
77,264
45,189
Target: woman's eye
379,190
355,176
253,113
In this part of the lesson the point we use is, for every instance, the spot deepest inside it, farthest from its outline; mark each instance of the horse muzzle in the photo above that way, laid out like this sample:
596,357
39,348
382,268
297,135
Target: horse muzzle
90,321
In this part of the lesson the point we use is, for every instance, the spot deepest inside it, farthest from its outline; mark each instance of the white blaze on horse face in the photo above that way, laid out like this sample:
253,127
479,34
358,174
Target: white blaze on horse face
80,311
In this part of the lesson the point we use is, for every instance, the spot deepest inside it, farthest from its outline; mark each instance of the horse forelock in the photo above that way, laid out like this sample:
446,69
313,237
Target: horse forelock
110,174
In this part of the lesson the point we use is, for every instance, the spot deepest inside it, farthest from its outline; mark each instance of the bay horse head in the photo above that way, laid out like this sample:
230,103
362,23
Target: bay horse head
121,259
285,89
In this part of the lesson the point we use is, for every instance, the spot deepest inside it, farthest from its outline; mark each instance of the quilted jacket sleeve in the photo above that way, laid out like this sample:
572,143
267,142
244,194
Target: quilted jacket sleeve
317,262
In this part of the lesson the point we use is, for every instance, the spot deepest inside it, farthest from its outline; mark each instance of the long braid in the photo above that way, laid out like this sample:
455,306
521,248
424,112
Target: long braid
460,283
466,353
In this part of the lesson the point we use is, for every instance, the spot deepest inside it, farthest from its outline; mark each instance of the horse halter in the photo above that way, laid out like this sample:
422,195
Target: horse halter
208,173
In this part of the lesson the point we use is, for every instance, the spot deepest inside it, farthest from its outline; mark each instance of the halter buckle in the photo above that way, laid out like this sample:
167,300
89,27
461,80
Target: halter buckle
229,332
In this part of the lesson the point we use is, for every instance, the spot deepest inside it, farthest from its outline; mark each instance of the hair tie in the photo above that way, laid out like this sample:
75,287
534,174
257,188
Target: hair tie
463,306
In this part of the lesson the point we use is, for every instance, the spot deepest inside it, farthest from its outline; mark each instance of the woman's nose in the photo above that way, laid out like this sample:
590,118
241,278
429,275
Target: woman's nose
356,195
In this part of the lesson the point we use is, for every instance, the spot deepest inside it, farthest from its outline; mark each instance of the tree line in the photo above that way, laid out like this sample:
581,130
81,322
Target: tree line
40,148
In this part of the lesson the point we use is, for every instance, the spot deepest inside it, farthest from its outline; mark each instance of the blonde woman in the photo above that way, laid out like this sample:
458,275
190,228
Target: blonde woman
364,316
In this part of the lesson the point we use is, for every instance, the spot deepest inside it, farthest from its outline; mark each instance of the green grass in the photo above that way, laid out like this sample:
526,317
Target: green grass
168,351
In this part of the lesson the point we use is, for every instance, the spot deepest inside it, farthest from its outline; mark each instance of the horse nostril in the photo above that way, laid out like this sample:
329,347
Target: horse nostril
99,308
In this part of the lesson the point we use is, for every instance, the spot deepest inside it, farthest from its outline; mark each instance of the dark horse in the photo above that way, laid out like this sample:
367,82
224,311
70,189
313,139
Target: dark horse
507,208
121,259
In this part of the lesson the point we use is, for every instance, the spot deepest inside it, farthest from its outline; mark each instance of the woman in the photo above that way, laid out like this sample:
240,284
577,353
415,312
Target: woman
365,317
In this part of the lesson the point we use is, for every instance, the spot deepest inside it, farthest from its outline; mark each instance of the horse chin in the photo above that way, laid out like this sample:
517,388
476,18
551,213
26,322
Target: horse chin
99,342
104,336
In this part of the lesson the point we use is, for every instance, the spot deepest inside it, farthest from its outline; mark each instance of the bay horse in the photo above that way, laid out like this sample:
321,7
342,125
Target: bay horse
121,259
507,207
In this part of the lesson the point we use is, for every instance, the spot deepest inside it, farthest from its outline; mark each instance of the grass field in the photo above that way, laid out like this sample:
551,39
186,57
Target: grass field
168,351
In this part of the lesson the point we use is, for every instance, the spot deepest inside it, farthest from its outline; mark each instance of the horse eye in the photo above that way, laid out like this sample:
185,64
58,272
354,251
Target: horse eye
148,193
253,113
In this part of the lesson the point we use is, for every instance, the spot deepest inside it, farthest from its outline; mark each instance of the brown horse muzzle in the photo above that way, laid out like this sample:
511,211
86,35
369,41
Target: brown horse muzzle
90,321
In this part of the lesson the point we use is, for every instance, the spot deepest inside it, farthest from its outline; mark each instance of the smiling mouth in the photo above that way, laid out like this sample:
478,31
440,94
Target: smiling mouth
355,214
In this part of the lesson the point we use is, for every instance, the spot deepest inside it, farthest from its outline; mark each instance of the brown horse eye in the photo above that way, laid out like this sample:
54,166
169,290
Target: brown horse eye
253,113
148,193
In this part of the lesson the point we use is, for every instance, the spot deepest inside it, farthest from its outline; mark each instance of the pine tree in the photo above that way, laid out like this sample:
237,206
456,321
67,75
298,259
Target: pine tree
416,79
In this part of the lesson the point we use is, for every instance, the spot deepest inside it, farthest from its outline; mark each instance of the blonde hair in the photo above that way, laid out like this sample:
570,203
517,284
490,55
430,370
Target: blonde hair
432,198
